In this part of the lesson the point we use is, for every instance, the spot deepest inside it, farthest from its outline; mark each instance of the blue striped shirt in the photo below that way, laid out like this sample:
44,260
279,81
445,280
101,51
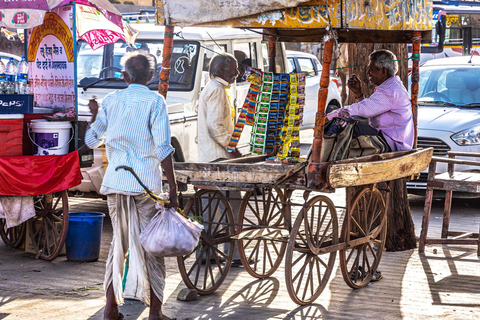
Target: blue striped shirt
135,127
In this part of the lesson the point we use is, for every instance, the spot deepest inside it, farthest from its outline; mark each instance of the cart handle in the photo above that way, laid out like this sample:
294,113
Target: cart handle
150,193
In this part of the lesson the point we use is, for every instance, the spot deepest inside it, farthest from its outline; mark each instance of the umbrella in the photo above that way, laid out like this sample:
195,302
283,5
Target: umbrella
98,21
24,14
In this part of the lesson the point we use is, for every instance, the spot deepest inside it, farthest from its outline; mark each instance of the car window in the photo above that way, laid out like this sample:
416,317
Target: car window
246,55
306,66
210,51
104,63
279,62
291,65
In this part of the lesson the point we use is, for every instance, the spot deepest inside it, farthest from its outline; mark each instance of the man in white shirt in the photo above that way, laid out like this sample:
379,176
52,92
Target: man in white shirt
215,122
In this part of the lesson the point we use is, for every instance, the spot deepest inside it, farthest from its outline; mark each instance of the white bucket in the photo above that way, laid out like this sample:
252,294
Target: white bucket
50,137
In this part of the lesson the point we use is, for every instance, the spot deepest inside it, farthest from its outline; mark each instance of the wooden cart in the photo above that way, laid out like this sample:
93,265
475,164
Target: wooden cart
265,229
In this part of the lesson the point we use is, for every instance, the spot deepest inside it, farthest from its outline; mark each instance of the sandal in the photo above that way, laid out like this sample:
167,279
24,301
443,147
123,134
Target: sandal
377,276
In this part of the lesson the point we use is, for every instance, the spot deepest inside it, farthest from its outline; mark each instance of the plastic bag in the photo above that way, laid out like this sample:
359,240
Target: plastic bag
169,234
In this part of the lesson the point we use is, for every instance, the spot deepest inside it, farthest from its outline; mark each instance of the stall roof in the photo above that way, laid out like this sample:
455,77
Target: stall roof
392,21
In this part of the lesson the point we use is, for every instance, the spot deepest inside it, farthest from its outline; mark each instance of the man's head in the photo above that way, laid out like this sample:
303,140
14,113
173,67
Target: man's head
138,67
224,66
383,65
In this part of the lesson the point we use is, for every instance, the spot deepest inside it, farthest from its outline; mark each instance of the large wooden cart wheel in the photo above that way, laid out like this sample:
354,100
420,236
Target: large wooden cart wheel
13,237
311,250
48,229
262,249
364,231
206,268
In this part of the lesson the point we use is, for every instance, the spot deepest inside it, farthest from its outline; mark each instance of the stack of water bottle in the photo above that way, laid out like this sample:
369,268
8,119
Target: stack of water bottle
13,78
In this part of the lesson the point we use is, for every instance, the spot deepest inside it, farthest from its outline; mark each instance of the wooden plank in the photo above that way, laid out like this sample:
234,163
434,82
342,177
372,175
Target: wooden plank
456,161
355,174
229,172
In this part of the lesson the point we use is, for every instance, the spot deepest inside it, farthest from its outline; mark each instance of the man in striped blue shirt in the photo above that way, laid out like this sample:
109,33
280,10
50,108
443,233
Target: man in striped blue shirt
135,127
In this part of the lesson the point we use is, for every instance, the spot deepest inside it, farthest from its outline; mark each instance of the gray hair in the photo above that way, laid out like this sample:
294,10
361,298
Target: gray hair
385,59
218,61
138,65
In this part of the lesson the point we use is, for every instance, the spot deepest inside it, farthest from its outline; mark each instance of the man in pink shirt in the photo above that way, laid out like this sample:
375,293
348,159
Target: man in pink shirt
389,108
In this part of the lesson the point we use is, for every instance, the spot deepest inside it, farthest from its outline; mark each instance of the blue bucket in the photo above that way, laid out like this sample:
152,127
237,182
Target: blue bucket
84,236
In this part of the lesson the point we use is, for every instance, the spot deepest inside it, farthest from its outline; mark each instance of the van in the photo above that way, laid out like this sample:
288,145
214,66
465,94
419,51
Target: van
99,73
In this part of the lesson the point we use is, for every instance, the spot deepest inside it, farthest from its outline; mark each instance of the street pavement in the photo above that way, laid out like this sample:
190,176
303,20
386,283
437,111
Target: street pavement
444,283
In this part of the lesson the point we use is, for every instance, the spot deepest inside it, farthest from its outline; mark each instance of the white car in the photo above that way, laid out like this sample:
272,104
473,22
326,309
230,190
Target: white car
448,110
301,62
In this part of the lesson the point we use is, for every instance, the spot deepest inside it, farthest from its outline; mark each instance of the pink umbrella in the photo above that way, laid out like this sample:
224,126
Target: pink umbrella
98,21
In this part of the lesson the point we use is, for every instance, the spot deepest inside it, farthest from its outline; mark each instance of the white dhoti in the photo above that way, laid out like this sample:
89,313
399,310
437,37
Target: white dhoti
130,215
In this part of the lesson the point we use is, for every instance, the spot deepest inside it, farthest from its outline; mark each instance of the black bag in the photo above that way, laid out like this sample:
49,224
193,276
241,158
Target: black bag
337,138
351,137
366,140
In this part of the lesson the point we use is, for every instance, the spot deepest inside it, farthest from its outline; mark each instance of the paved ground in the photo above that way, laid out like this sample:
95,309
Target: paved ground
442,284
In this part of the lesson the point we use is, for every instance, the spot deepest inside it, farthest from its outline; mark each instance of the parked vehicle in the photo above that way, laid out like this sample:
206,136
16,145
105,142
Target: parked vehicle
99,72
448,110
301,62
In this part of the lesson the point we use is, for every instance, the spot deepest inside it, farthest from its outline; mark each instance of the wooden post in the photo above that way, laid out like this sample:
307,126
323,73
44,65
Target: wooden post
415,77
272,52
322,101
167,54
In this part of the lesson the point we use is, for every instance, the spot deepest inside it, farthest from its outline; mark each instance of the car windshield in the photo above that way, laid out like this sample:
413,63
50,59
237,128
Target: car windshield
455,85
101,68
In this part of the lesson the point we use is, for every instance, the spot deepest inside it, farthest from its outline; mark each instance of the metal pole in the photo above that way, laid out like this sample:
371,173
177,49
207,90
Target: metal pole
417,38
167,54
74,33
322,101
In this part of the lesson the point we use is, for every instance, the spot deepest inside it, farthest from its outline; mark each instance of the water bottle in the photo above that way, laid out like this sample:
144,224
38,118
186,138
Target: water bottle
2,77
10,75
22,76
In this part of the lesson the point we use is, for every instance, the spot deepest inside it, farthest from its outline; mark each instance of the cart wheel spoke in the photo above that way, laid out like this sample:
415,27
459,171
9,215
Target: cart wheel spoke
206,268
263,208
315,227
48,229
12,237
365,219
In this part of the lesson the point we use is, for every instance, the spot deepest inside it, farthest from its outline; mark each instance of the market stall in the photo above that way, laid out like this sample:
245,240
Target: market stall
264,230
41,155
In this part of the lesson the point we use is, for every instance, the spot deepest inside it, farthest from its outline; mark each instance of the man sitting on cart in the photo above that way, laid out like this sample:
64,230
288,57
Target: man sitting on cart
134,125
388,109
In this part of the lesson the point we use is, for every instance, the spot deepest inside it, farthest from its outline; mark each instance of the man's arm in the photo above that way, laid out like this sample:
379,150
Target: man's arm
95,135
167,166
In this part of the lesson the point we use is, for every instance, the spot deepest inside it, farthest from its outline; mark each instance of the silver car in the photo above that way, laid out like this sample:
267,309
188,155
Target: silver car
448,110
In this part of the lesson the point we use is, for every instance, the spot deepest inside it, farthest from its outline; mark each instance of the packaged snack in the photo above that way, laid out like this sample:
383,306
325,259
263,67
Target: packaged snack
301,78
282,106
276,87
267,77
253,76
259,139
277,77
293,88
271,133
269,149
273,106
284,77
258,149
261,118
293,78
301,89
265,97
264,108
275,96
261,128
273,116
267,87
270,142
293,99
301,99
283,97
272,125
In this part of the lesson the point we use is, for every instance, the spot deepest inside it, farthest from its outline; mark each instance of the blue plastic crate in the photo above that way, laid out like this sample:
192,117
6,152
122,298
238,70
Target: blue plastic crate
16,103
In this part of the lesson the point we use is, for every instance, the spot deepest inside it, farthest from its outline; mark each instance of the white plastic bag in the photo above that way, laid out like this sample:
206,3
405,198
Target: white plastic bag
169,234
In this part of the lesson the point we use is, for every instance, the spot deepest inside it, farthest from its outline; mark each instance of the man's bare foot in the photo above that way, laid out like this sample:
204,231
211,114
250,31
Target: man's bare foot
113,315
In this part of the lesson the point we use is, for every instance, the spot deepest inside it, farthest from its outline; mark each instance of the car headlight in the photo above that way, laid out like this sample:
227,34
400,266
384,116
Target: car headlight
467,137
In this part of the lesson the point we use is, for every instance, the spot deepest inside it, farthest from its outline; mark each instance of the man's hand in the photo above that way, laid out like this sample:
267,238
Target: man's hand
355,85
172,195
93,106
